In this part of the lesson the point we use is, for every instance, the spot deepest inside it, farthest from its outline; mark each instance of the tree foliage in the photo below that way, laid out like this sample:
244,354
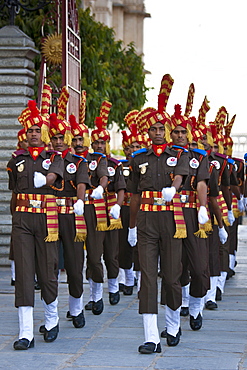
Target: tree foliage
109,71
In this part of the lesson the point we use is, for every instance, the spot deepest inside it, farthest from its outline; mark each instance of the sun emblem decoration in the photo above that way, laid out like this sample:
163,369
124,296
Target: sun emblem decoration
52,49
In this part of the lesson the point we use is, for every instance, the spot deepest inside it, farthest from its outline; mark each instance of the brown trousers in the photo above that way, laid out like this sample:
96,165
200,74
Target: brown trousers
214,252
125,250
32,254
155,238
195,257
73,254
98,244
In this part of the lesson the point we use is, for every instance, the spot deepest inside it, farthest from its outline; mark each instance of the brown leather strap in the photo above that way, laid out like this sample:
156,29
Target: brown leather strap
27,203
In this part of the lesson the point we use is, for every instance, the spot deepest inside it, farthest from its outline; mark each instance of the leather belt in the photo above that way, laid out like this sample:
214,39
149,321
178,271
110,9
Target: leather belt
63,202
30,203
155,201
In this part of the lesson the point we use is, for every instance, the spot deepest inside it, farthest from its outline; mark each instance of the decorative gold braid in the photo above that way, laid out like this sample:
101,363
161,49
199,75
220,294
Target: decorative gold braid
72,184
192,182
61,189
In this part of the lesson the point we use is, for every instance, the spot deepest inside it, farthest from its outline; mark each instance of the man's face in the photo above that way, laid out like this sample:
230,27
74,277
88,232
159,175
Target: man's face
215,148
179,136
23,144
99,146
58,143
77,144
156,133
205,142
34,136
127,151
135,146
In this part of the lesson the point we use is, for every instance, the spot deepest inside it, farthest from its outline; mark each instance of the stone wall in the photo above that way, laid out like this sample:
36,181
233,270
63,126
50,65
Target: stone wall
17,52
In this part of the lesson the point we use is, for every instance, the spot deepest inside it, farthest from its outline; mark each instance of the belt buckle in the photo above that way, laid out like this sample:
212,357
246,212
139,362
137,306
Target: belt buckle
60,202
159,201
34,203
86,199
184,198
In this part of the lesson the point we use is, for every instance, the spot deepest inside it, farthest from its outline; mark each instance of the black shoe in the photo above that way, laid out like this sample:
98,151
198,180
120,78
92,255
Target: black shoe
173,341
135,281
218,295
97,307
42,329
23,344
230,274
12,283
149,347
51,335
68,316
196,324
121,287
163,334
114,298
79,320
128,290
184,311
89,306
210,305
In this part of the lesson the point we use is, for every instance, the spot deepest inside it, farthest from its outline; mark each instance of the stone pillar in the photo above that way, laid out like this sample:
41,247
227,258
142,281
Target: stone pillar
17,52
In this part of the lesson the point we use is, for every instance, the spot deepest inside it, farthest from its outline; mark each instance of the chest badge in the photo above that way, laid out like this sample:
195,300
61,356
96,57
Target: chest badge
126,171
46,164
93,165
194,163
71,168
171,161
216,164
20,168
143,170
111,171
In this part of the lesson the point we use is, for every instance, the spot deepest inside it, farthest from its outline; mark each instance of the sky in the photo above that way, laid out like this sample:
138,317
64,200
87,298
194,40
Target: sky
200,42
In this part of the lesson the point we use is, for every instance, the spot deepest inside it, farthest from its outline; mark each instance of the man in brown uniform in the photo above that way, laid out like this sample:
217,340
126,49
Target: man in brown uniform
107,228
156,217
70,202
35,226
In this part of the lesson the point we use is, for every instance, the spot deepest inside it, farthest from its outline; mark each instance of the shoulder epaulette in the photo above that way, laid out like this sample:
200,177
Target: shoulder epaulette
230,160
78,156
54,152
18,152
115,161
123,160
143,150
221,155
238,159
101,154
200,151
180,147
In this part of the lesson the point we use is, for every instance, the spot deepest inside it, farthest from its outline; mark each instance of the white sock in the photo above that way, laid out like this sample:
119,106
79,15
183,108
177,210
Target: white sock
121,276
185,295
232,260
97,291
129,277
210,296
138,280
151,333
12,270
75,305
25,314
51,314
91,289
113,285
172,321
195,306
221,281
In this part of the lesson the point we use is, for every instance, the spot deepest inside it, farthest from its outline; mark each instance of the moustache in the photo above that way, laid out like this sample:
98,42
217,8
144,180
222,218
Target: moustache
78,147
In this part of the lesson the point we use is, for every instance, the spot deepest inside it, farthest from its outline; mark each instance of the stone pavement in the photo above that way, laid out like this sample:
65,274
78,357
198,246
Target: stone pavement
110,341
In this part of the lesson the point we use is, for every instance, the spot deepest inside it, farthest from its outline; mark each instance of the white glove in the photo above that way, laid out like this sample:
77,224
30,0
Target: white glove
39,179
245,203
203,215
231,217
241,204
98,192
79,207
132,236
115,211
168,193
222,235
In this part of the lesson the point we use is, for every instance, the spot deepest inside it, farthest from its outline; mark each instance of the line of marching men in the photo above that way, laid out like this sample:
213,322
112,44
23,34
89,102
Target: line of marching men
171,208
